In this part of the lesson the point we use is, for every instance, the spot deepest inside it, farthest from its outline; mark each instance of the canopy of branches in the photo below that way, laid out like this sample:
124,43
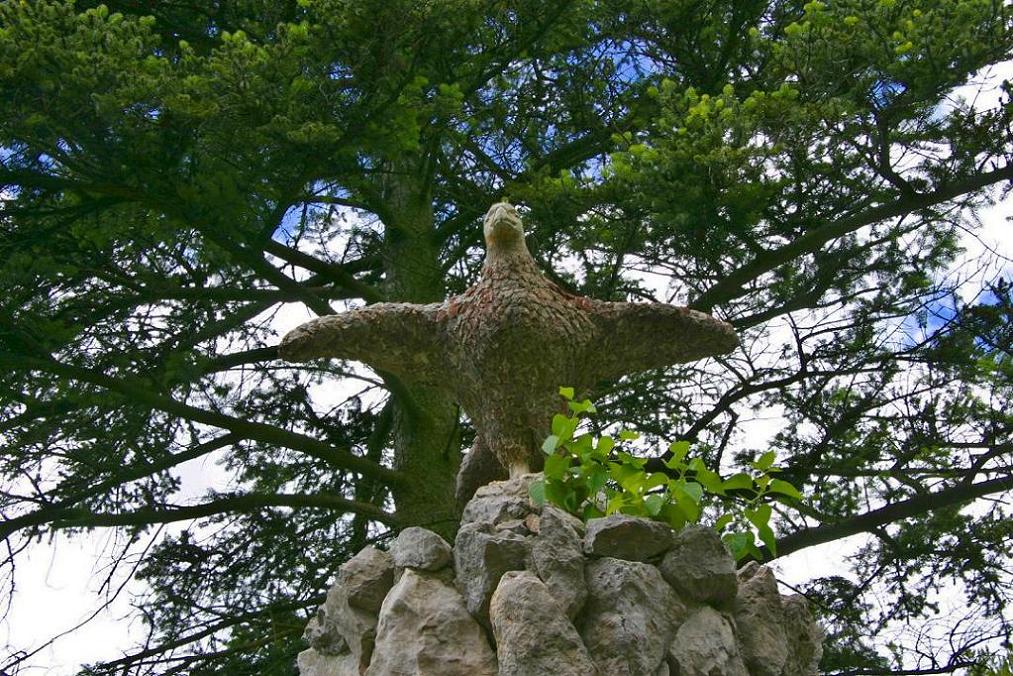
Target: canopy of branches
182,181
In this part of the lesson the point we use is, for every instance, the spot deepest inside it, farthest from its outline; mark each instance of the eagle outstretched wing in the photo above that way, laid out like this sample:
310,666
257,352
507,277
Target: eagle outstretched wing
635,337
402,338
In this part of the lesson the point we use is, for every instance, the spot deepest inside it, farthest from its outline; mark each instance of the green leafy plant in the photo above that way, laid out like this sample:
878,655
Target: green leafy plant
1003,667
593,476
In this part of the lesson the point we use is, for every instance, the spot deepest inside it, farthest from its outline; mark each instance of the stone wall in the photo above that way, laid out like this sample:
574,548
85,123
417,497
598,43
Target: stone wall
528,591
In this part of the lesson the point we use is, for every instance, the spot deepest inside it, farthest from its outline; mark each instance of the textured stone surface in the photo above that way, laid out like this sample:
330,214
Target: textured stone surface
700,568
515,526
481,556
627,537
500,501
421,549
323,636
630,617
521,575
705,645
425,630
313,663
759,617
805,638
366,578
356,626
533,635
557,557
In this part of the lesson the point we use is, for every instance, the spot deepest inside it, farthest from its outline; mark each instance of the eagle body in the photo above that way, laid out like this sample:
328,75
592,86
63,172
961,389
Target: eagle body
504,347
513,335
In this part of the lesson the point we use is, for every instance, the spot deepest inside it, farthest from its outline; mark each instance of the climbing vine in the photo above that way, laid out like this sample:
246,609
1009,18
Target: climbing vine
594,476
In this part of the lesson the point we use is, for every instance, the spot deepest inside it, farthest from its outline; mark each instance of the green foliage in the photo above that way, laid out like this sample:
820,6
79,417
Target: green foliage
1002,667
592,476
180,181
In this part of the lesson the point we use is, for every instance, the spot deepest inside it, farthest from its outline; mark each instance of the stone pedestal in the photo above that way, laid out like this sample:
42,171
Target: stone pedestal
528,591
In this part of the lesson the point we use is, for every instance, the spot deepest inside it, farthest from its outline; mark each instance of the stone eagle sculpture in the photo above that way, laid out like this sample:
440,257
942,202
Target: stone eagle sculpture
504,346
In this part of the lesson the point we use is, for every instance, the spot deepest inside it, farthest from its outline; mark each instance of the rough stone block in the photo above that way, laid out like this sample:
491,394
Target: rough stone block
366,578
426,630
759,616
705,645
805,637
557,557
501,501
625,537
533,634
700,568
481,556
420,549
313,663
322,634
630,617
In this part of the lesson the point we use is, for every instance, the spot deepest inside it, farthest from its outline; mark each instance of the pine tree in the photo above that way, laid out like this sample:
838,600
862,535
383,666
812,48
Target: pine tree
181,180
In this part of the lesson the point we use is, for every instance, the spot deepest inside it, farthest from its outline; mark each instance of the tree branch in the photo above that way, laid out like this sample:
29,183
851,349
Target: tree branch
80,518
113,667
865,523
130,473
339,273
142,393
732,285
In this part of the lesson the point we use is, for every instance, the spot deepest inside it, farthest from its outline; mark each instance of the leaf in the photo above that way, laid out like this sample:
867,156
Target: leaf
550,444
759,517
674,464
632,460
633,482
784,488
596,478
633,507
629,435
569,428
559,424
737,482
687,504
710,481
625,475
615,503
654,503
672,515
536,491
581,407
764,462
678,449
556,466
591,511
582,444
767,537
566,392
605,445
693,490
556,493
655,479
723,521
738,544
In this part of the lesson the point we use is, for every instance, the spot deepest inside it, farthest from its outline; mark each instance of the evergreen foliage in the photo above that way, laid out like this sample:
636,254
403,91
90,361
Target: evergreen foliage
176,176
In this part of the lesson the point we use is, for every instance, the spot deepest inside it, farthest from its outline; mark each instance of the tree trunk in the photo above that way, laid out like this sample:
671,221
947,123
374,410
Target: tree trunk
426,435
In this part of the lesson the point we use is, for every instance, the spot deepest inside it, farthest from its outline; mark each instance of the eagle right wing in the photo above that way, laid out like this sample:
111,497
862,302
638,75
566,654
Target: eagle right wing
402,338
